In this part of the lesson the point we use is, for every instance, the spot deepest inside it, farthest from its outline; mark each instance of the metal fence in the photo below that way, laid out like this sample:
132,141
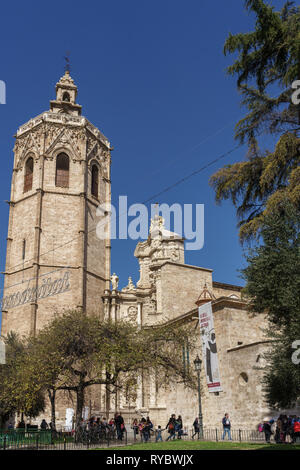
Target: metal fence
53,440
91,439
237,435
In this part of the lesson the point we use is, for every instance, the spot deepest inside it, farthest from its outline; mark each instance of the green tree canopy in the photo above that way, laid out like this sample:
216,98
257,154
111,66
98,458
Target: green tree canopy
20,391
76,351
272,274
273,286
267,63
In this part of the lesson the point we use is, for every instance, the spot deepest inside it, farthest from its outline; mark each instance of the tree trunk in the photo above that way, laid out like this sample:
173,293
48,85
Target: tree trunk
107,402
51,395
80,403
107,395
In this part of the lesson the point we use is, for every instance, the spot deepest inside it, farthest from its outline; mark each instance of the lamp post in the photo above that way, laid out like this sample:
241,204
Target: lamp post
198,364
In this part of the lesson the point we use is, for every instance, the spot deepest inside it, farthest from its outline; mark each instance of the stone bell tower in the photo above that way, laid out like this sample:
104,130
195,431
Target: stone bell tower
54,258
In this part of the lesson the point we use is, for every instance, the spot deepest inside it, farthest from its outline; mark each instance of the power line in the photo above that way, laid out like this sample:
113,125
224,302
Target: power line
168,188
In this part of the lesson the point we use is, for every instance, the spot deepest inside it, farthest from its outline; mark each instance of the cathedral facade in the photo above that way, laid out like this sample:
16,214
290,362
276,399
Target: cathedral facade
55,261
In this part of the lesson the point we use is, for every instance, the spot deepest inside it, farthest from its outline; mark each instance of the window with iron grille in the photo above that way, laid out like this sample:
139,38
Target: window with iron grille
62,171
28,174
95,178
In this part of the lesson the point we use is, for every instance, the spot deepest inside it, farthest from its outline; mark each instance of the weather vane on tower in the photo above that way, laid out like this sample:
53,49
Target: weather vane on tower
67,60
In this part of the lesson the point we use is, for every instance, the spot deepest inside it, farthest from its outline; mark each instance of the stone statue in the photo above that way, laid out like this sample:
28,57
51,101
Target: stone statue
130,285
114,281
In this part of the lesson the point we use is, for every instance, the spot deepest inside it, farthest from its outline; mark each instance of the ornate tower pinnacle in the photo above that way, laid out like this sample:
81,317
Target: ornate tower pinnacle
205,296
66,93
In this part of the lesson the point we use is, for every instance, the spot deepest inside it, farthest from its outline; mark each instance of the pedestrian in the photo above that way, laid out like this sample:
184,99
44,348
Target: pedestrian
44,425
196,428
278,431
296,430
149,426
284,428
146,431
226,427
267,430
120,426
141,427
179,427
135,427
158,434
171,427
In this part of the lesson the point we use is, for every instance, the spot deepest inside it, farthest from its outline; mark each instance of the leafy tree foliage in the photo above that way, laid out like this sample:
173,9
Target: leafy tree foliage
273,286
282,376
20,391
267,64
76,351
273,271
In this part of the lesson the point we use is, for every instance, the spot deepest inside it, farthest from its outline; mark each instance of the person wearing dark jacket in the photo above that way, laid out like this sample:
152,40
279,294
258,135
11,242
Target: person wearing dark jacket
171,427
119,422
179,427
226,427
267,430
196,427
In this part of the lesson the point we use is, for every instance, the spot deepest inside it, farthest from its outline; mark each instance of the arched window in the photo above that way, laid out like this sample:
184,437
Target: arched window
28,174
66,96
62,171
95,178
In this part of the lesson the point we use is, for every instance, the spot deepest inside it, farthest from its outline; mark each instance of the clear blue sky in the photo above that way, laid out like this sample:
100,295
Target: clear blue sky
151,76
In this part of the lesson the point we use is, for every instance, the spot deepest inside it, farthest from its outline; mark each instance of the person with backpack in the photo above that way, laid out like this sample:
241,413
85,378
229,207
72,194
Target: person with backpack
296,430
171,427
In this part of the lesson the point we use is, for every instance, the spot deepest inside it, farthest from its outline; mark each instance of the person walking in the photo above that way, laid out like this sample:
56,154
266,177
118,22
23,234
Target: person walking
119,422
196,427
171,427
158,434
226,427
179,427
267,430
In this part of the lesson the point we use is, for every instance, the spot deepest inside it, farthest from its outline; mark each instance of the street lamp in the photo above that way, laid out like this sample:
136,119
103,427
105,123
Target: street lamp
198,364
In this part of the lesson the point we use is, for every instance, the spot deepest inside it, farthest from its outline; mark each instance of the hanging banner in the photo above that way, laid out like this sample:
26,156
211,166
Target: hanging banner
209,347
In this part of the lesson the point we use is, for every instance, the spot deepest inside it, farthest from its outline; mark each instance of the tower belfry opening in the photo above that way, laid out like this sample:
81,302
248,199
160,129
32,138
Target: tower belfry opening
66,94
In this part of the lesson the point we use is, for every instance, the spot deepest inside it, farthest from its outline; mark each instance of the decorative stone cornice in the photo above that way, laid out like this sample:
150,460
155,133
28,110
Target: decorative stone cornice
63,119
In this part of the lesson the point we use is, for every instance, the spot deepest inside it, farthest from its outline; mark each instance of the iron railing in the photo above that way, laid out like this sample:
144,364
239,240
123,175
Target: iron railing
95,438
57,440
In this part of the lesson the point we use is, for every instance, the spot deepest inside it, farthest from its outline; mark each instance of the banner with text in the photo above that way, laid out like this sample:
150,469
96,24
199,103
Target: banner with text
209,347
